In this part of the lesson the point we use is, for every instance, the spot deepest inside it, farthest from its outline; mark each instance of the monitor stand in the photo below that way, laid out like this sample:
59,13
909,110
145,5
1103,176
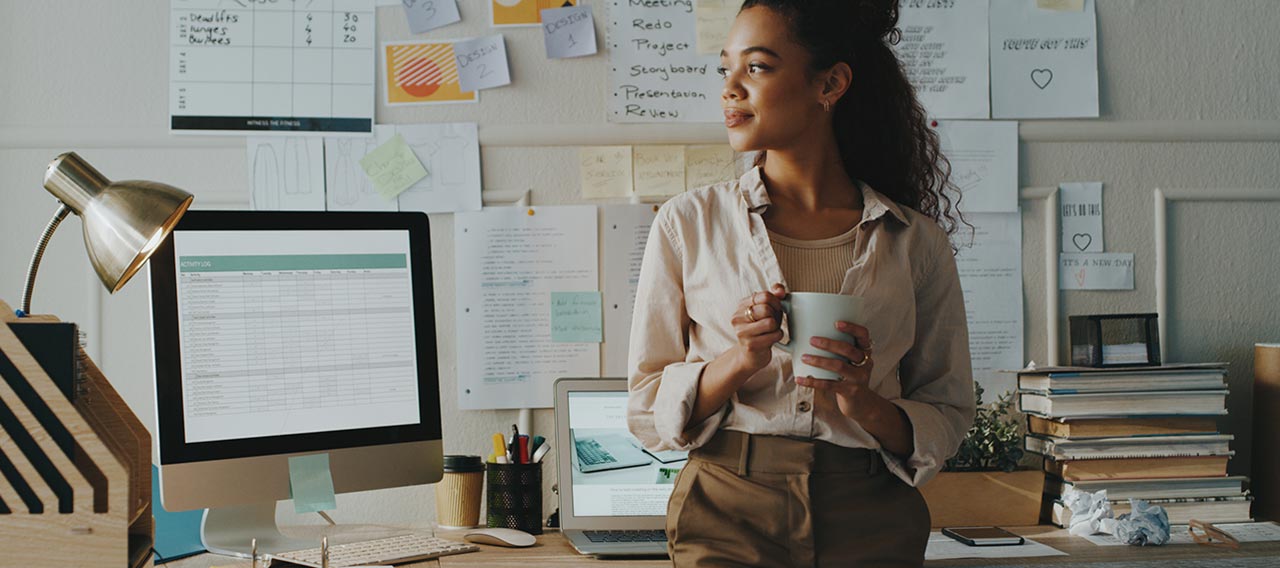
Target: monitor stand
230,531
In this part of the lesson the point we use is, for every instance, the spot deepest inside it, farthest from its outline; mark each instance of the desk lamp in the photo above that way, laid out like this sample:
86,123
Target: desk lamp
123,221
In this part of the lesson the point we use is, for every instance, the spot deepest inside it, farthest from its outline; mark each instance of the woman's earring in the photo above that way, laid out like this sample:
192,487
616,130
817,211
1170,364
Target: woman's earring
826,106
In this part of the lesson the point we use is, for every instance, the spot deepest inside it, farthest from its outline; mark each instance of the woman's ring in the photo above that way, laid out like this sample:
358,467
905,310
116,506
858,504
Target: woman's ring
865,357
751,316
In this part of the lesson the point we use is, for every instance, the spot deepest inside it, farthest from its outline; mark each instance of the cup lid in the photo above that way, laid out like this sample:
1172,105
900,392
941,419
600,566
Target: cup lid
463,464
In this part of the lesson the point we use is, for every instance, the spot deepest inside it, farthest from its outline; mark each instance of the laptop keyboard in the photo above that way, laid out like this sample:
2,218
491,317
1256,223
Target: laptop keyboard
626,536
591,453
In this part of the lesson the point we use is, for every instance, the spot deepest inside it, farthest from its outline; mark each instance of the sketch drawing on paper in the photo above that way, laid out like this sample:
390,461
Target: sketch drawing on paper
286,173
451,154
347,184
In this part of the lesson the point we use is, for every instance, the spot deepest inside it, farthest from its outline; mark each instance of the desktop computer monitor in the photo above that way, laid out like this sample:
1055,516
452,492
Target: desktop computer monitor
285,334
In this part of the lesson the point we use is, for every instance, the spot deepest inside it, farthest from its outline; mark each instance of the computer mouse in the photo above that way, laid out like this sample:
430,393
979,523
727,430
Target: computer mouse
500,537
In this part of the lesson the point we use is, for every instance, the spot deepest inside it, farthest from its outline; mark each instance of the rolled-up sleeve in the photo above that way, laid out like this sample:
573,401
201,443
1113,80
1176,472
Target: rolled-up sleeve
936,374
662,381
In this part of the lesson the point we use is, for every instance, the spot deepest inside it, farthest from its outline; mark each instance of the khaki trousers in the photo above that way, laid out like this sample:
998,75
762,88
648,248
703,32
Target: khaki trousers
746,500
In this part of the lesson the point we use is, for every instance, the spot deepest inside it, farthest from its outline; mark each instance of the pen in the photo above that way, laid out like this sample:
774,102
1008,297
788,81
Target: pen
513,449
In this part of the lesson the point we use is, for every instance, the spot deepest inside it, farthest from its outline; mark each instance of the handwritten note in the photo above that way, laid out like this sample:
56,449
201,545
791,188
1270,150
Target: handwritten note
708,164
482,63
984,163
569,32
575,317
658,170
346,186
392,167
944,50
657,75
714,19
311,484
1044,63
606,171
1102,271
1081,205
427,15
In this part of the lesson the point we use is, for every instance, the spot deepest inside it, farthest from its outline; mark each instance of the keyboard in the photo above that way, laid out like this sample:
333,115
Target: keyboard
591,453
626,536
393,550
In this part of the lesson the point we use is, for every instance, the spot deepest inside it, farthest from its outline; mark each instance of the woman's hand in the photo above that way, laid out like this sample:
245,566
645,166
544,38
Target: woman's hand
757,322
854,370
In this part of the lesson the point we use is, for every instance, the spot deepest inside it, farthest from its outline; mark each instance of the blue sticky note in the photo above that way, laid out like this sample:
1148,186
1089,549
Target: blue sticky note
575,317
177,534
311,484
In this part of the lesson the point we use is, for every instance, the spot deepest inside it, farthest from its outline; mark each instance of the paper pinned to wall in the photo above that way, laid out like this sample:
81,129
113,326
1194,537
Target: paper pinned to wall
286,174
575,317
508,262
714,18
1061,5
984,163
625,232
451,154
427,15
991,277
944,49
1100,271
422,73
1081,213
392,167
656,74
521,13
482,63
1044,63
569,32
347,188
658,170
706,164
605,171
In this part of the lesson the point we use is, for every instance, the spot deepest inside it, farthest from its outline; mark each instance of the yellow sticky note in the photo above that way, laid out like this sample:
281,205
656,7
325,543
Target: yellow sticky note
707,164
659,170
392,167
713,18
606,171
1062,5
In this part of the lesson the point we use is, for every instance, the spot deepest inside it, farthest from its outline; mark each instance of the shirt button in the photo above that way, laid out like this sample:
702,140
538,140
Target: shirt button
803,406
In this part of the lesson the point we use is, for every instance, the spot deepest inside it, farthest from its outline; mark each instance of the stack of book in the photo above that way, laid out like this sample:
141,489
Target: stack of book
1146,433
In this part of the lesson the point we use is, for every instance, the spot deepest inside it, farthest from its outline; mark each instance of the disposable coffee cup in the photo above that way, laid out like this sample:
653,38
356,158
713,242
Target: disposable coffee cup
458,493
813,314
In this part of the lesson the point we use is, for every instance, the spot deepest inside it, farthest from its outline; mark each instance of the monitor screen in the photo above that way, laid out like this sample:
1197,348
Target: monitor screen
613,475
293,332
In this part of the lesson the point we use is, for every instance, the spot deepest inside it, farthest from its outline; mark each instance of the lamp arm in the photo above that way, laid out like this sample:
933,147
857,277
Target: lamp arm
58,216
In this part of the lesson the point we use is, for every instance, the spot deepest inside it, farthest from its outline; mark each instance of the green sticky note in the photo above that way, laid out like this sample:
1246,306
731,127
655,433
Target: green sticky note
311,484
575,317
392,167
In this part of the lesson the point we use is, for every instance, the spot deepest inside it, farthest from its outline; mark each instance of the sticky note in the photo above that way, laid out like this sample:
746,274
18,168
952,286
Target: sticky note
606,171
713,19
576,318
1061,5
707,164
658,170
392,167
311,483
569,32
482,63
427,15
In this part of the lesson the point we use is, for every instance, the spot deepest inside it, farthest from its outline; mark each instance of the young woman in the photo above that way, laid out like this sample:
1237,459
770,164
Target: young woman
846,197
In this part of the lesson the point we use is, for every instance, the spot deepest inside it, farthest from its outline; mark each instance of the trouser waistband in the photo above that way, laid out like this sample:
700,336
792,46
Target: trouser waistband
753,453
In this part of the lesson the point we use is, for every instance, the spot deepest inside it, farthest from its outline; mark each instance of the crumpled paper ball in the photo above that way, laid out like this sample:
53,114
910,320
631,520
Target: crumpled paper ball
1144,525
1090,512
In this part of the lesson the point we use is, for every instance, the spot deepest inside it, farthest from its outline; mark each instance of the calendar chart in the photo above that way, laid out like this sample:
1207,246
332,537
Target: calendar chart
272,66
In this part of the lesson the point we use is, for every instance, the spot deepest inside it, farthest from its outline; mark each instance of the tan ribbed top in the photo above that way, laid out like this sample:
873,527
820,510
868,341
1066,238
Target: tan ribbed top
814,266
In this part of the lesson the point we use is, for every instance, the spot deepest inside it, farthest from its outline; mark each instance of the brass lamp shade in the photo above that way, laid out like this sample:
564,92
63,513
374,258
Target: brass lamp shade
124,221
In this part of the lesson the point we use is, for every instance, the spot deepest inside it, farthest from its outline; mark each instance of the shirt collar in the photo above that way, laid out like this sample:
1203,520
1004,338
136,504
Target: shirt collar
874,204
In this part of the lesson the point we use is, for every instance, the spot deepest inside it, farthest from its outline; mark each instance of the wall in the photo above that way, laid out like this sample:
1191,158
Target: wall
1189,100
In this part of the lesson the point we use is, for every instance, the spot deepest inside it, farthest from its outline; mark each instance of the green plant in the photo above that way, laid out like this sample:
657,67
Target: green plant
994,442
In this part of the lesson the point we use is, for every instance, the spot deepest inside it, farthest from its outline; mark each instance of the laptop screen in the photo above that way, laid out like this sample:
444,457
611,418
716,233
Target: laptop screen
612,474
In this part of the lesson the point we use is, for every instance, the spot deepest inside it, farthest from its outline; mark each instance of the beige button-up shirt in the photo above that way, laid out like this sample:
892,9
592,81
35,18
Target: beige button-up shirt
708,249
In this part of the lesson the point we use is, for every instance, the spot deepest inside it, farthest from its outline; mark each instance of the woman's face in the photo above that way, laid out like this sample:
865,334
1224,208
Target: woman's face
771,100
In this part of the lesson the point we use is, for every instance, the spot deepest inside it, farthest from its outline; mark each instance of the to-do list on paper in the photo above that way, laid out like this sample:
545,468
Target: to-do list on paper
656,72
288,67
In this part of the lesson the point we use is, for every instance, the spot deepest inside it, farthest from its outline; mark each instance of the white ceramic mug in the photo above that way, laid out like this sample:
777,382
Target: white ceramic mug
812,314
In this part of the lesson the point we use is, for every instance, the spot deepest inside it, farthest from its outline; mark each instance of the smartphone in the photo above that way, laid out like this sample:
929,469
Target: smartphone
983,536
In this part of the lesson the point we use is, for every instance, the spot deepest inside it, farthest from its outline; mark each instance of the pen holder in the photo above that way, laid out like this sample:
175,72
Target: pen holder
514,496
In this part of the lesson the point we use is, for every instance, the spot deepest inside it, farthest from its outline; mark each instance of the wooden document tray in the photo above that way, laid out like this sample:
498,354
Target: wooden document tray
75,488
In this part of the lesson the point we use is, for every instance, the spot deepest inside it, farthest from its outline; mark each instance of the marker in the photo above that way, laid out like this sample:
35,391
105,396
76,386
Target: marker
536,443
499,444
543,450
524,449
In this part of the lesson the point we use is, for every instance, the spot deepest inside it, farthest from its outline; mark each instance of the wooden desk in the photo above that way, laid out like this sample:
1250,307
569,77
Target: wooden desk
553,550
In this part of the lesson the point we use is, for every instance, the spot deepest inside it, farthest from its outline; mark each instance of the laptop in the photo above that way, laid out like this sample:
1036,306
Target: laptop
613,493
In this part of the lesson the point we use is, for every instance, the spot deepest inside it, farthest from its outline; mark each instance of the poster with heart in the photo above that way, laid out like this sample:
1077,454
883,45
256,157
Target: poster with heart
1081,217
1044,62
1108,271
